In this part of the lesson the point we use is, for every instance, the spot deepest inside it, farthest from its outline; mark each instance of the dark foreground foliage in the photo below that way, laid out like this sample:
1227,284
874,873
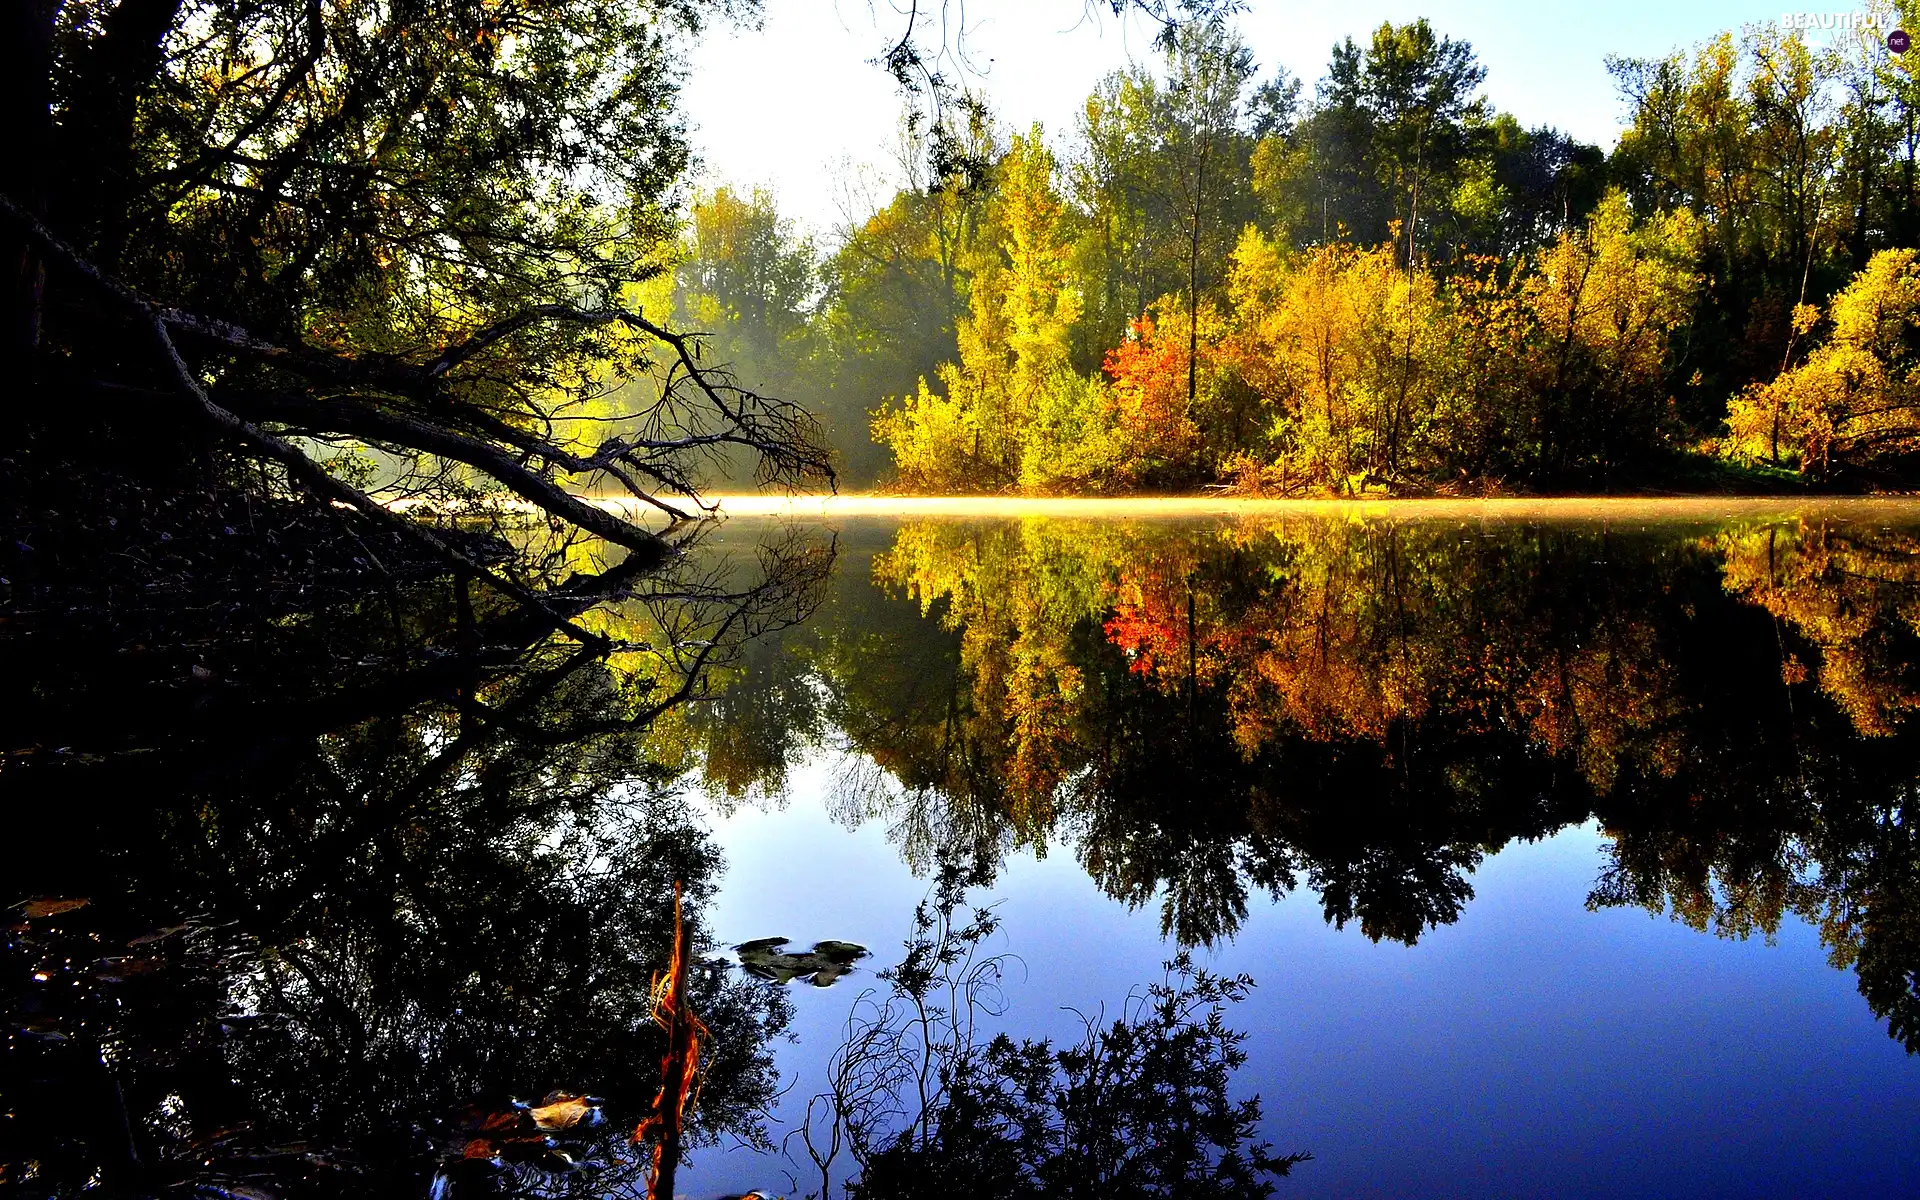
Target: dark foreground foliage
313,901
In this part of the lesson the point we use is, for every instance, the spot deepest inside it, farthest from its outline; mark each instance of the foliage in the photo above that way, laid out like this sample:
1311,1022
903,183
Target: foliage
1490,340
1014,374
1855,400
1369,707
1392,287
260,230
1799,161
1604,308
1149,370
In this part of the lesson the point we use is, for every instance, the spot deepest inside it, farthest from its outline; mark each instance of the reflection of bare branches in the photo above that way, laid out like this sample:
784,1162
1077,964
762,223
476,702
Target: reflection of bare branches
701,620
861,790
1137,1106
899,1049
928,823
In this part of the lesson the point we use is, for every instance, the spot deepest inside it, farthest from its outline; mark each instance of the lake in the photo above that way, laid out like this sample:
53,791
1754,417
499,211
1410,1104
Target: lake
1566,849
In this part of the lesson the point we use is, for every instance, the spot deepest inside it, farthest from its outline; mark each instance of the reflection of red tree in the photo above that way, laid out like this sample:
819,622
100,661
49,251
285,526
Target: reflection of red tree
1152,602
1138,636
1324,653
1149,621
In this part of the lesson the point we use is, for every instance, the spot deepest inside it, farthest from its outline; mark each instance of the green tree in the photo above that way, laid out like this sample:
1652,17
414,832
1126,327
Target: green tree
1208,72
1418,88
419,226
749,282
1113,181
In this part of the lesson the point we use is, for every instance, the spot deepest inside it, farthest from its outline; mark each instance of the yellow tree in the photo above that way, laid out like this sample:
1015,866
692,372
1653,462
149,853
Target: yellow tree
1013,413
1857,396
1314,335
1603,304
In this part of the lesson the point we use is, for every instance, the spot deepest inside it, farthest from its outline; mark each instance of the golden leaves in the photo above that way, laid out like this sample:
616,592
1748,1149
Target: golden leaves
1856,398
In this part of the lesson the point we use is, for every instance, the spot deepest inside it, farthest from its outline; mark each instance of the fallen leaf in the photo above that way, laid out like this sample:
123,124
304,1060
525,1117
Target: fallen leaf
52,906
564,1113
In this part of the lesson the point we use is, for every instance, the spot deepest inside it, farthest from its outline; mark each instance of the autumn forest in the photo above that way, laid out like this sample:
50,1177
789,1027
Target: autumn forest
1279,636
1372,282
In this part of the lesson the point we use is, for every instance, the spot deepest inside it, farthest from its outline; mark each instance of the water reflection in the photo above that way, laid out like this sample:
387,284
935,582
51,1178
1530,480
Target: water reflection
314,899
1368,708
921,1099
372,886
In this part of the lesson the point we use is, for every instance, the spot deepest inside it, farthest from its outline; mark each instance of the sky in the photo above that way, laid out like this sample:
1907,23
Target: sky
791,105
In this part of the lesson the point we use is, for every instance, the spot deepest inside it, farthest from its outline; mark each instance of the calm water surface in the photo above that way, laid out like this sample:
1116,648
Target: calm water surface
1569,854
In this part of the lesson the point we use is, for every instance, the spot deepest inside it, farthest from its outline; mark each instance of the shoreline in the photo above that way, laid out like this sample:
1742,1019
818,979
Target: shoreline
1905,508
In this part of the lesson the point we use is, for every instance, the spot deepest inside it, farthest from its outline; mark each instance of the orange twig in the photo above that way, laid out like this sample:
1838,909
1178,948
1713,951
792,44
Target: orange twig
679,1066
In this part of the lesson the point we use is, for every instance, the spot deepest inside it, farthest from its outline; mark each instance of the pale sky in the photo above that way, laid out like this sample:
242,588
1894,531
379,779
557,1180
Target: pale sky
784,106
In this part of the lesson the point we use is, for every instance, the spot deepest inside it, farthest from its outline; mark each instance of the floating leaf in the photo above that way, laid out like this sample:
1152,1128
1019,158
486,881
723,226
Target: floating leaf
564,1112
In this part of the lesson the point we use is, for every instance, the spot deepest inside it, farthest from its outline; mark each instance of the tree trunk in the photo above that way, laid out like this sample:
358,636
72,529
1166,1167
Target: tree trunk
1193,283
96,151
26,97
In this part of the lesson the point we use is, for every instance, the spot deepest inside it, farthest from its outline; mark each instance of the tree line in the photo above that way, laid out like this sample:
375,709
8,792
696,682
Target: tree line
1383,283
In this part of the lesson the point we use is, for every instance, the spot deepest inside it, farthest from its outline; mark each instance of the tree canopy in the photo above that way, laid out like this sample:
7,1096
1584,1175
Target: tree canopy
300,230
1376,283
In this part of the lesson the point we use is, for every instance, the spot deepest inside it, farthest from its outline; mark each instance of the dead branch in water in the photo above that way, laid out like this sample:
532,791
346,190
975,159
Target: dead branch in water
679,1066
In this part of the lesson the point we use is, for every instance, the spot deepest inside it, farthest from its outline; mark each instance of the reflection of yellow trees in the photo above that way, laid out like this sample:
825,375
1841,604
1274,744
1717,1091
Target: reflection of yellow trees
1014,593
1340,631
1605,701
1324,630
1853,594
1344,646
1332,630
1332,641
1371,706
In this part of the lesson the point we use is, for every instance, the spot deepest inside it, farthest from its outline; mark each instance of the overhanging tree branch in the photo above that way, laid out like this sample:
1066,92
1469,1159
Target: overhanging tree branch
297,465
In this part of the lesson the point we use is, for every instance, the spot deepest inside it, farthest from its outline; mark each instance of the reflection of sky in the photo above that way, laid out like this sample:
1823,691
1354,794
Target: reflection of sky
1534,1048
